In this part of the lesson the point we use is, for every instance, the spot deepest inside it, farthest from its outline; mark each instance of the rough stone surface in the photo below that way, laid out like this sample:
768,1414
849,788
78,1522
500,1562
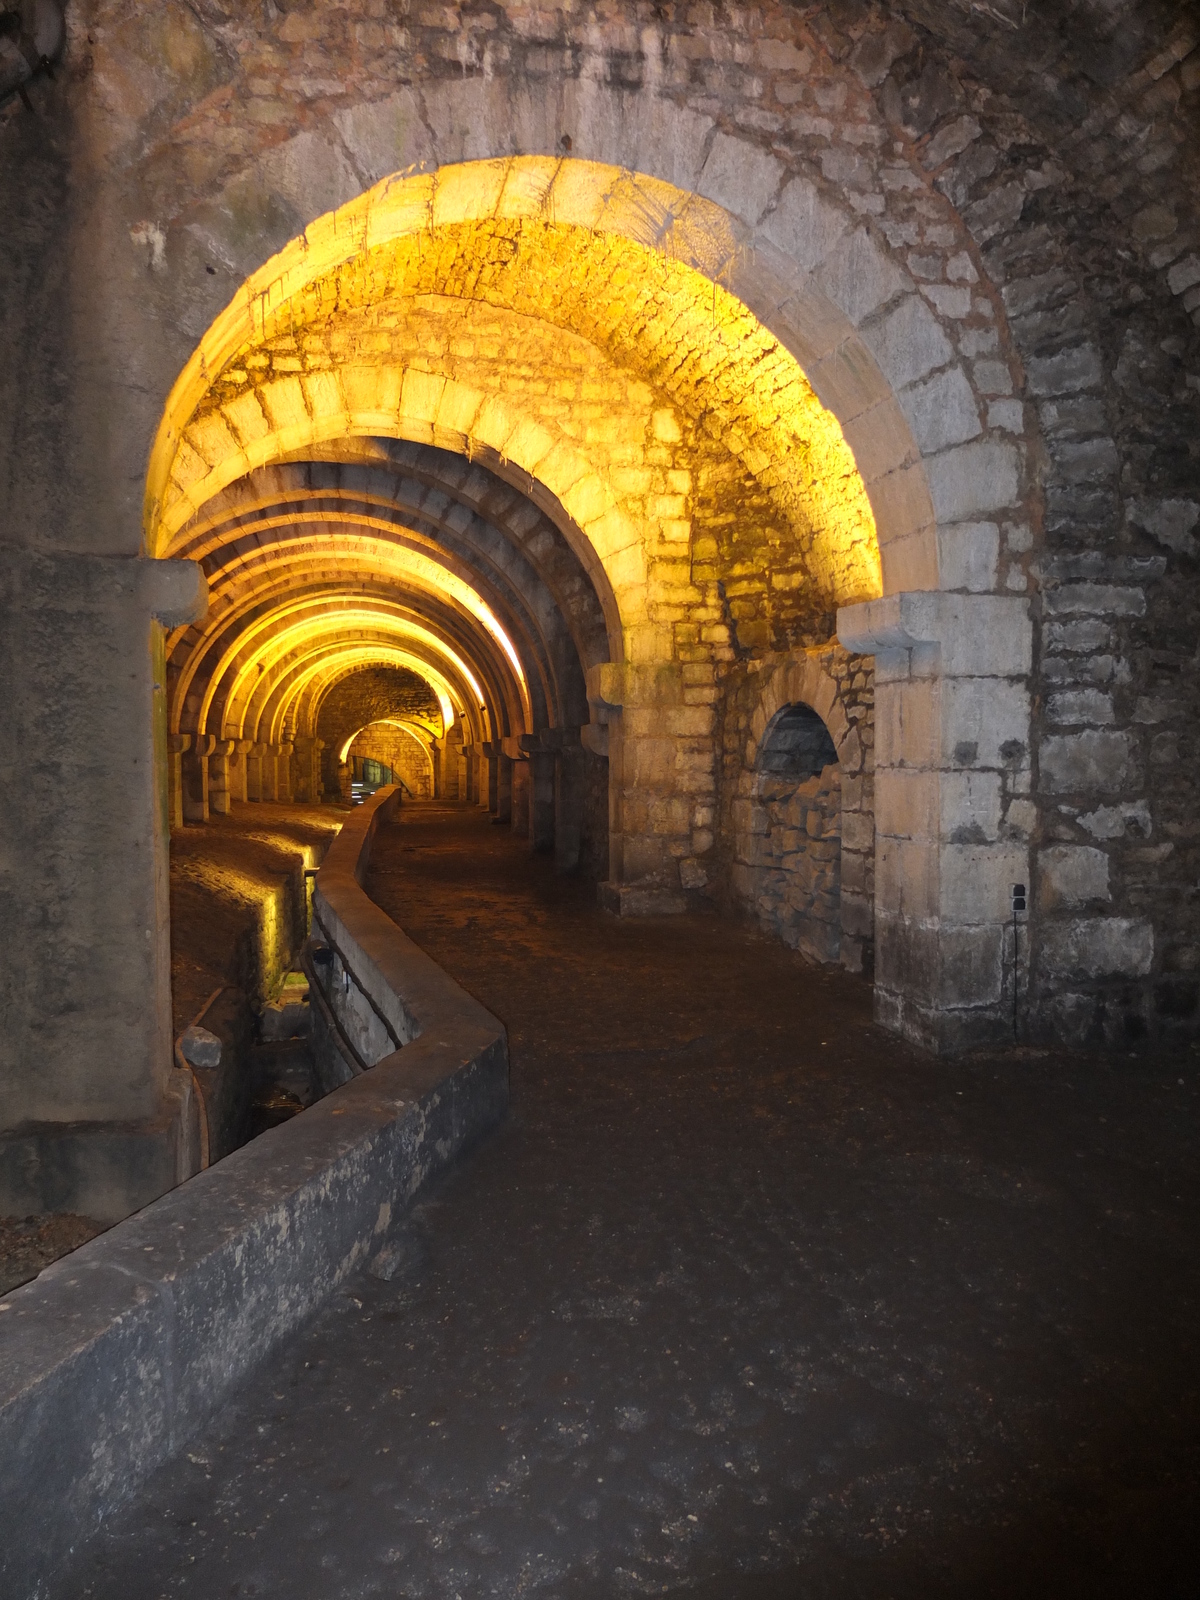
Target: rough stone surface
939,217
746,1299
117,1353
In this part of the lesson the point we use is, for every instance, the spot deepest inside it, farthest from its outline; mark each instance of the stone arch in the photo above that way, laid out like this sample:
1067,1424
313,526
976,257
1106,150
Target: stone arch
777,252
768,271
396,745
792,818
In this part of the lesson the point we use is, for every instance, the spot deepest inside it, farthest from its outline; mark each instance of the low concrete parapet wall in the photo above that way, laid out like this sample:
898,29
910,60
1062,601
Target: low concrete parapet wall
119,1352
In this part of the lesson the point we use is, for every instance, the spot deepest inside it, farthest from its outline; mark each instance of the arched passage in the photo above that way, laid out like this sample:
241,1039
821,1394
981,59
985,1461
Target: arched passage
399,748
709,454
676,493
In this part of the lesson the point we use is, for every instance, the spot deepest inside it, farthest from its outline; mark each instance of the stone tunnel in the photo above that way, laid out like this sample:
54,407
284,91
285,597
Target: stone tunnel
749,454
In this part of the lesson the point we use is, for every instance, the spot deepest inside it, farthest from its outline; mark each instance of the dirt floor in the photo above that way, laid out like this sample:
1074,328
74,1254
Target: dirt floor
746,1300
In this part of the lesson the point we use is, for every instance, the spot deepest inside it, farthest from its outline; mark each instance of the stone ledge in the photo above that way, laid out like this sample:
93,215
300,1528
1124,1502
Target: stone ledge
120,1351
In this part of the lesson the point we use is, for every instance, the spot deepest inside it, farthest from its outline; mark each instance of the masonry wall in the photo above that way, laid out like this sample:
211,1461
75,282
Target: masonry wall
367,696
1036,176
402,752
817,896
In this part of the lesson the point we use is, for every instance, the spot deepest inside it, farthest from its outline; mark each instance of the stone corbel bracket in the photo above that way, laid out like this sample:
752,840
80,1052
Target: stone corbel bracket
978,635
176,592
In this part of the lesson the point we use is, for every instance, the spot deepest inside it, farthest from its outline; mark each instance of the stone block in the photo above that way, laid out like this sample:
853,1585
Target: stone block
1087,761
857,913
908,723
968,556
881,440
310,174
175,591
973,479
985,722
1184,274
906,805
626,900
691,874
1097,947
740,177
907,342
1088,706
200,1047
804,225
1171,522
970,966
978,635
1087,461
1101,599
971,804
847,380
1084,635
977,880
1071,875
1008,415
941,412
385,136
854,871
859,277
858,832
992,377
1069,371
906,956
906,877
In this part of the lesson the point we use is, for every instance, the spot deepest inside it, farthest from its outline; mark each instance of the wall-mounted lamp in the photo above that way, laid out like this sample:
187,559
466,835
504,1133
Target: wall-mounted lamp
32,36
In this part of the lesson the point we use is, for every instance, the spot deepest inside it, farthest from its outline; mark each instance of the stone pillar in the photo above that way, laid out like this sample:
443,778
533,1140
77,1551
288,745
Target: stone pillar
568,801
661,780
254,771
267,783
177,746
306,768
492,754
541,793
195,777
504,788
94,1119
283,772
436,751
239,769
953,813
521,787
219,795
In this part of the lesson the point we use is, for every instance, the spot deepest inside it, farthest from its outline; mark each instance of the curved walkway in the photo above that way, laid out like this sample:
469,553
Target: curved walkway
745,1299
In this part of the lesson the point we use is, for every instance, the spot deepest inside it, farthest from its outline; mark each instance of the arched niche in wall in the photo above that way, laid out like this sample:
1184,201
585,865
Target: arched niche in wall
801,788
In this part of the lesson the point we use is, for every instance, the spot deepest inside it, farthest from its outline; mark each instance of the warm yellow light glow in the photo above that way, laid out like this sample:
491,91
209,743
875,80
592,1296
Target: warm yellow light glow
340,658
314,347
269,641
247,579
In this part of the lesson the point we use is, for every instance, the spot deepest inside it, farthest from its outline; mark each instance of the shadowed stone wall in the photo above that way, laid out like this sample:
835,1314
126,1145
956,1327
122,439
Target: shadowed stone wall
369,696
798,802
980,225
